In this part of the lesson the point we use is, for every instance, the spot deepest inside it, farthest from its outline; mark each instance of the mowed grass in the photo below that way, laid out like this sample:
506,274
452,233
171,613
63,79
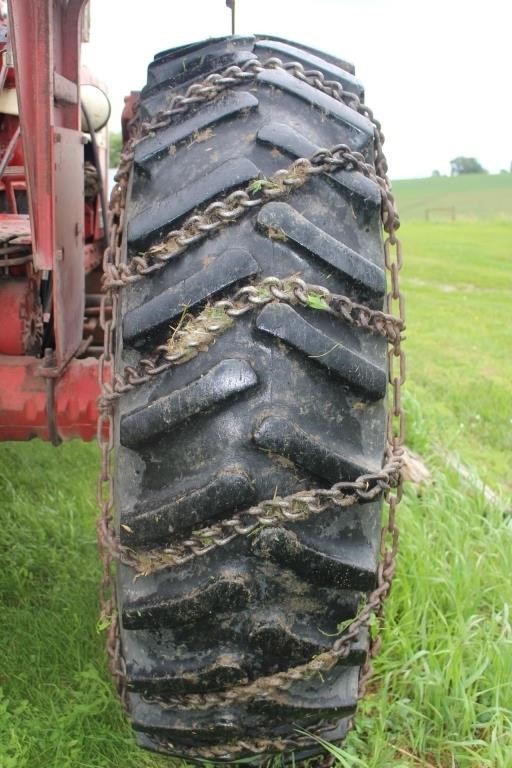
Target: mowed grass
442,692
458,284
476,196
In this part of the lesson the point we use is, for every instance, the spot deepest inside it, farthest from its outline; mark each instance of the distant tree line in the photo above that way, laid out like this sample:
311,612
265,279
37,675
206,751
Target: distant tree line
461,165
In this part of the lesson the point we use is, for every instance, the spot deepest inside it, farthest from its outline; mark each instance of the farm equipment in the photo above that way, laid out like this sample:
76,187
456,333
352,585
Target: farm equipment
230,348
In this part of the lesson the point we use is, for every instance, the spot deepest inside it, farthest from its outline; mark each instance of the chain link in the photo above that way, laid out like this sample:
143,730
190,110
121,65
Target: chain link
274,512
257,746
184,344
229,209
196,334
105,436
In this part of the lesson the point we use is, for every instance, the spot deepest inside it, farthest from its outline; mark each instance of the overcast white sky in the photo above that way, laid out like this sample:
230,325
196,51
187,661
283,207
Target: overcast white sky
437,72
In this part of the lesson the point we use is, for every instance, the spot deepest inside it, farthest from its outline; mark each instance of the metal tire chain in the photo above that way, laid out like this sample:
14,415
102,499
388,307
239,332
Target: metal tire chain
396,417
295,507
290,290
232,207
299,506
257,746
105,437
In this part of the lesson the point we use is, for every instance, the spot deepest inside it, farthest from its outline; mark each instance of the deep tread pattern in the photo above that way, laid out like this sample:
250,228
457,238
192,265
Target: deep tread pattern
288,398
284,322
314,240
165,514
310,61
275,638
296,643
346,66
280,435
293,143
154,100
180,65
229,721
359,127
285,547
229,591
157,220
224,380
166,140
224,671
273,642
165,747
155,315
176,69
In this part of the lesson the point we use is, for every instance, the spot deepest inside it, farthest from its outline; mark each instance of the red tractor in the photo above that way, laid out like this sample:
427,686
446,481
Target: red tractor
233,329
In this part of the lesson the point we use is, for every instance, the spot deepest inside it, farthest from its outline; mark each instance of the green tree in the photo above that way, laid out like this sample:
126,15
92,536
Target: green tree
115,147
462,165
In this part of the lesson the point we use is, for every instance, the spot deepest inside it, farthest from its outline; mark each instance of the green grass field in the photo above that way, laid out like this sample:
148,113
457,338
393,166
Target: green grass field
442,692
474,197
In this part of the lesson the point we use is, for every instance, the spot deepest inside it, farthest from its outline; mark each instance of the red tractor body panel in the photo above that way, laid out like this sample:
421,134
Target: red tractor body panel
47,253
25,394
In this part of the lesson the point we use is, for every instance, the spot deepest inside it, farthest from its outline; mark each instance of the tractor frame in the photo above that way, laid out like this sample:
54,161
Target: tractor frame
50,250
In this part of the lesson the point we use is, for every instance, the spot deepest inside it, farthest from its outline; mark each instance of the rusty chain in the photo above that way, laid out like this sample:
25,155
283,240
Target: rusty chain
390,323
272,512
196,333
257,746
109,619
232,207
214,84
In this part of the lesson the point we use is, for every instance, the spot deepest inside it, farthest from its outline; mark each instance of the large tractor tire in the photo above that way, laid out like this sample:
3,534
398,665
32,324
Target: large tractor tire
288,398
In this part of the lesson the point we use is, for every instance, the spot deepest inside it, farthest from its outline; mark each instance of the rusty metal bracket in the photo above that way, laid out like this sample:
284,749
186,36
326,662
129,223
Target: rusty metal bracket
49,363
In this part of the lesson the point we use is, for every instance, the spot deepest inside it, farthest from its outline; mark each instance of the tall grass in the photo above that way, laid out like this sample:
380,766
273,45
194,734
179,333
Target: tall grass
442,692
57,709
